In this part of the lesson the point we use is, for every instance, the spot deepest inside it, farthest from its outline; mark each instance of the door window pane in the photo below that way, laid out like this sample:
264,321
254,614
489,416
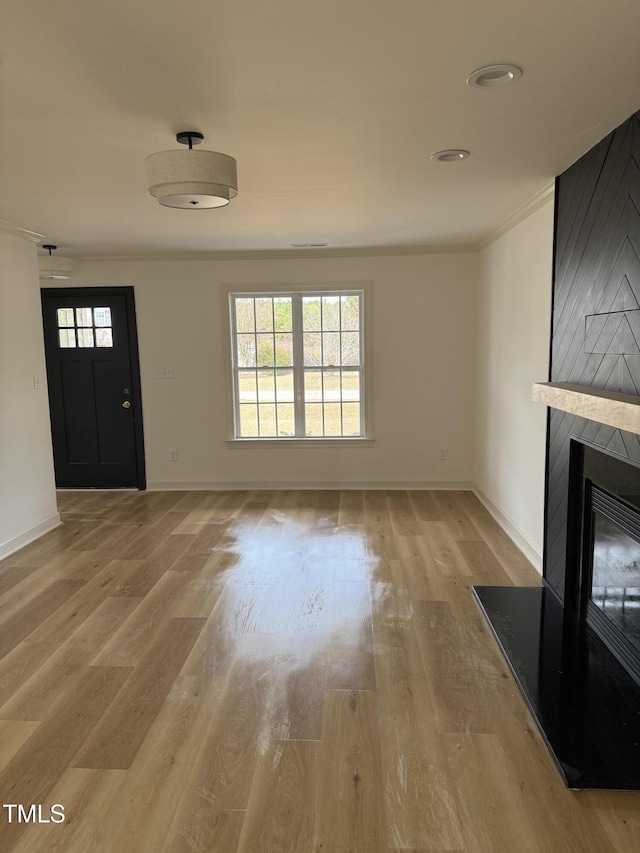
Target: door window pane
83,317
65,318
102,316
67,338
104,338
85,338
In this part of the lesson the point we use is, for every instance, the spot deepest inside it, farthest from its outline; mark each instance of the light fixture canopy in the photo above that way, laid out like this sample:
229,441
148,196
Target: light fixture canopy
54,266
192,180
494,76
451,155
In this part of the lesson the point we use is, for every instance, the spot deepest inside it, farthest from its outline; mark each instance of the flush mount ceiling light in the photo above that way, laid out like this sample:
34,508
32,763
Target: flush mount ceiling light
494,76
54,266
451,155
192,180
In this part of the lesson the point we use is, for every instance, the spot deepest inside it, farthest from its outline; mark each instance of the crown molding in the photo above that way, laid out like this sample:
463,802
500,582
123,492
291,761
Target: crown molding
544,196
285,254
9,228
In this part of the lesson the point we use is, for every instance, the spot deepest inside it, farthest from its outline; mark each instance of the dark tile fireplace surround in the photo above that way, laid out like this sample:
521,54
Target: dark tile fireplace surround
573,644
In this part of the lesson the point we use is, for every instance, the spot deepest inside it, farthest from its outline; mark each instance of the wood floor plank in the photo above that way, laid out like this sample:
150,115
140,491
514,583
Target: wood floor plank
116,740
454,511
242,725
380,537
25,621
130,642
41,761
85,795
498,813
404,521
140,815
619,814
351,510
470,686
13,734
10,576
482,563
280,813
58,673
350,654
512,560
350,811
204,587
425,506
444,549
419,797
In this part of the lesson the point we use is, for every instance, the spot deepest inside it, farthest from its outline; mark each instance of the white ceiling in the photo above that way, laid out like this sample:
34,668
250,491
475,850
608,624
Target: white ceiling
331,109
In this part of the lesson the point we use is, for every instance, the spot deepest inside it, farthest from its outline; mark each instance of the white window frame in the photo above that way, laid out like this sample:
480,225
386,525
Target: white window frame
365,291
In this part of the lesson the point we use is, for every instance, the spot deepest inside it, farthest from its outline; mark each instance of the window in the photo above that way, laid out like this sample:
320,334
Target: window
298,364
84,327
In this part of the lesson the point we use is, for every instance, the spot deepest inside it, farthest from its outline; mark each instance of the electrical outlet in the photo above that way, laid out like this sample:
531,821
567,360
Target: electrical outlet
443,454
37,382
173,455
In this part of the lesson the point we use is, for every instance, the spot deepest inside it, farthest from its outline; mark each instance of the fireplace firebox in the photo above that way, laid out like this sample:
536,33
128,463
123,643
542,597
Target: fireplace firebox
603,549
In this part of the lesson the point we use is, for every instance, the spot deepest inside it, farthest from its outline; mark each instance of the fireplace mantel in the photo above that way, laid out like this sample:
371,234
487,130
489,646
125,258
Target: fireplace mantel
621,411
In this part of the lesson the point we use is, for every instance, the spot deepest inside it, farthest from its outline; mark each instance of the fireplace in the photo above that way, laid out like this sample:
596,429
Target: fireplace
603,549
576,658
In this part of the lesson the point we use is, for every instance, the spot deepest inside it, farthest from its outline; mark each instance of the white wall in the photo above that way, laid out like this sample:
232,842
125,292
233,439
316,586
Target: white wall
423,372
27,489
514,309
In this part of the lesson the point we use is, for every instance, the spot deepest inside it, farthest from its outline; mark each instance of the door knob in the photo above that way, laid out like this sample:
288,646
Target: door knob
126,405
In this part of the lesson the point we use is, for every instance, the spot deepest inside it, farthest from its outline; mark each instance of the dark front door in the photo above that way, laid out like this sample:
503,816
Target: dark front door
94,387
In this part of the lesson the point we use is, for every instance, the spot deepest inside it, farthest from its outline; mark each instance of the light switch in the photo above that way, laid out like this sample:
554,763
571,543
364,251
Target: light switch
165,373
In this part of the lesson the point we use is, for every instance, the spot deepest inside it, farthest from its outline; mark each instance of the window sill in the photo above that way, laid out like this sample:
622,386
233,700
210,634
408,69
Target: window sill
297,443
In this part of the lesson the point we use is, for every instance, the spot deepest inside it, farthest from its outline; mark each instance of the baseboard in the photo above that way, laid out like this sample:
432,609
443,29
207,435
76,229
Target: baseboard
29,535
404,485
511,529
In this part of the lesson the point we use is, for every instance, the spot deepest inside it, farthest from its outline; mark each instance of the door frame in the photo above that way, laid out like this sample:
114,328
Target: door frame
134,358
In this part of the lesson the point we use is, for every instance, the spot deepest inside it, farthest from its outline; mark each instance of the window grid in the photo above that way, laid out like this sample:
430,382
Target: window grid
84,328
283,404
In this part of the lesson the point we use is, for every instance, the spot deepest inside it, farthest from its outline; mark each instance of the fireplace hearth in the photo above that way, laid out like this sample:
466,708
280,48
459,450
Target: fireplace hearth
577,660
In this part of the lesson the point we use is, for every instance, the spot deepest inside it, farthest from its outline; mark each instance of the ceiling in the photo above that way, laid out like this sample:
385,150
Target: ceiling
331,109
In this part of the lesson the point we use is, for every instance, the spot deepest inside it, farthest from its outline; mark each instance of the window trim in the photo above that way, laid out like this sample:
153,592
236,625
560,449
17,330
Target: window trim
365,288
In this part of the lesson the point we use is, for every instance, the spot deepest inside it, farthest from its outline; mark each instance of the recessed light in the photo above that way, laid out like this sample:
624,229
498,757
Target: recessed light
493,76
450,155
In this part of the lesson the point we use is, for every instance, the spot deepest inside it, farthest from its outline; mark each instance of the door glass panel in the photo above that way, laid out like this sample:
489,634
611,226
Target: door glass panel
65,318
83,317
85,338
102,316
104,338
67,338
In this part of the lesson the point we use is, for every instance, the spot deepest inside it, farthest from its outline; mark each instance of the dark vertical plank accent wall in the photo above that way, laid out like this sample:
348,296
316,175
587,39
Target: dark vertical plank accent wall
596,310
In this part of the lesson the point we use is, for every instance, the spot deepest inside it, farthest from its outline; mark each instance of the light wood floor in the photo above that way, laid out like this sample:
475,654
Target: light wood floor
261,672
